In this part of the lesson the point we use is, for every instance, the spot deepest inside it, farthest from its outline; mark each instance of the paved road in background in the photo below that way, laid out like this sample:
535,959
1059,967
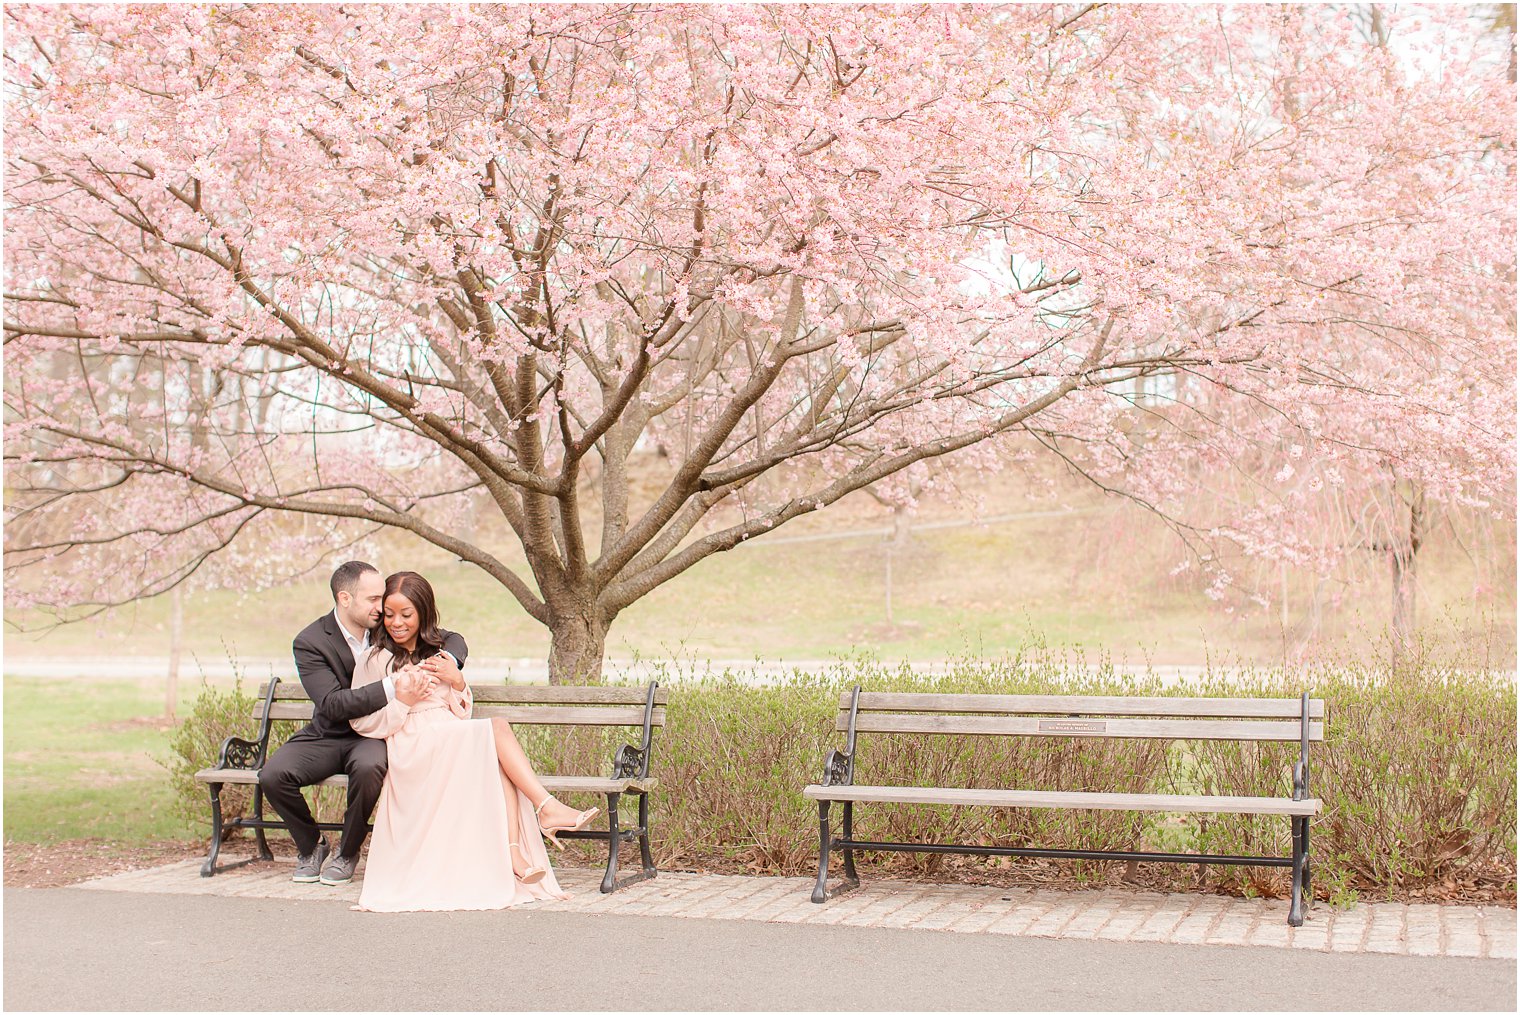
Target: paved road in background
77,949
515,669
530,670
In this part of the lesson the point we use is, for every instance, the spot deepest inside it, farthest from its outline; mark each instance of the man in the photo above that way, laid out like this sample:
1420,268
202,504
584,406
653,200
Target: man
325,654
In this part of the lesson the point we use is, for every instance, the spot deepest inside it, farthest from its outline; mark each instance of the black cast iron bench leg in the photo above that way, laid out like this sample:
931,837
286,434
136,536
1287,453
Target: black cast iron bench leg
644,854
850,876
1300,869
820,890
615,836
258,830
209,867
1308,869
614,840
220,827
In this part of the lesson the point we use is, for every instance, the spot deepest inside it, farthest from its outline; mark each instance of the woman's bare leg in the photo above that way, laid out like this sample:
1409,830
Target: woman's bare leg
519,856
509,754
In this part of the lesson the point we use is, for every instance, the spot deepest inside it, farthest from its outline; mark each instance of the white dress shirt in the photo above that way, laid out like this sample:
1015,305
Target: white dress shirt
357,646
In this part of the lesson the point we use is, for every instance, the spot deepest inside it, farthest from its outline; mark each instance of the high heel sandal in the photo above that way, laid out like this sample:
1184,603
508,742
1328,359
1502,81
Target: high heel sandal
531,876
582,819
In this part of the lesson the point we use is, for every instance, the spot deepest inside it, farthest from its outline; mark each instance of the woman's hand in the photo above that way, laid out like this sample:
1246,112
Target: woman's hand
412,684
443,669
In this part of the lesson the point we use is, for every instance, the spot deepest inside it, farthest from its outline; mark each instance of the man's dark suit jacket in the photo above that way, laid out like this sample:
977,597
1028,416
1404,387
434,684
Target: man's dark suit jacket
326,667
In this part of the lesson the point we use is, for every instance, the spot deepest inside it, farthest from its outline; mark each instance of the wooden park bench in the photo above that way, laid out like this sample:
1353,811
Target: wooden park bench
1075,716
642,707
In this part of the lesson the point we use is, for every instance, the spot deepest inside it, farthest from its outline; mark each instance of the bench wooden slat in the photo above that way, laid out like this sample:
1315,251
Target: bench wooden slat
1170,729
543,715
550,715
553,783
291,690
247,777
541,694
1065,704
564,705
572,705
1066,800
300,710
594,784
288,689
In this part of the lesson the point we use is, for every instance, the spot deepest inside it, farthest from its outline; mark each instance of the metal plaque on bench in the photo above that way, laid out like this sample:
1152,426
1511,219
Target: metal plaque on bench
1073,726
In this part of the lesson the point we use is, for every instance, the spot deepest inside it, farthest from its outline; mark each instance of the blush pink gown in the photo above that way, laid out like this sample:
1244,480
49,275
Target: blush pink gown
440,838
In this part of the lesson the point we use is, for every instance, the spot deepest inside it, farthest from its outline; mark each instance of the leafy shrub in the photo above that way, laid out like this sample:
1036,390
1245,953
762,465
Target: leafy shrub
732,761
1419,777
1417,773
197,744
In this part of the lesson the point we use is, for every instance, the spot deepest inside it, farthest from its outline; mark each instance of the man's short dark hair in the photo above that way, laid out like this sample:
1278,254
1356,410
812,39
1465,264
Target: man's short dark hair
346,578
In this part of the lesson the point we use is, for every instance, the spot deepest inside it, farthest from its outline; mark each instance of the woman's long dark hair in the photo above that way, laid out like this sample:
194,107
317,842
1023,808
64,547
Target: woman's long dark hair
429,639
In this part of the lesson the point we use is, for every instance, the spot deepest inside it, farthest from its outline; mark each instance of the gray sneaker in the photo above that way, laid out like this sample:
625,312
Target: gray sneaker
339,870
307,864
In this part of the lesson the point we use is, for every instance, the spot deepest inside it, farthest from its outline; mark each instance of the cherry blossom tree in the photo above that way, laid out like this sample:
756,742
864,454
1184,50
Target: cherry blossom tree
361,263
1366,493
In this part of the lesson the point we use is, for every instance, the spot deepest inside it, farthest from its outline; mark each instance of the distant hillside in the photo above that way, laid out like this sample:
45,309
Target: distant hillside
1099,577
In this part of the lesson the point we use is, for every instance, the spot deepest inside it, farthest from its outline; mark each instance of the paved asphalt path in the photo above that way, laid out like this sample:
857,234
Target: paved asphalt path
78,949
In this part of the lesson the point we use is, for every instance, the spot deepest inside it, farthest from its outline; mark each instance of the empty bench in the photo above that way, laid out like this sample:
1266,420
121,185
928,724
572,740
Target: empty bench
639,707
1068,716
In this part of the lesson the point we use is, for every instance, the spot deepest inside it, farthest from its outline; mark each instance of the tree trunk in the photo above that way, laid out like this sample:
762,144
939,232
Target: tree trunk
1402,563
902,522
578,641
1283,617
1401,560
1403,553
176,641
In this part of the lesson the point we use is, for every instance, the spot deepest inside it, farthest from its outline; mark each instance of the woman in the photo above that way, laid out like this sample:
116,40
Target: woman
458,823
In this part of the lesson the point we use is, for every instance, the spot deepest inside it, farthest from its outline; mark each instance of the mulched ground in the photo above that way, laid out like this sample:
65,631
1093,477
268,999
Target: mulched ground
55,865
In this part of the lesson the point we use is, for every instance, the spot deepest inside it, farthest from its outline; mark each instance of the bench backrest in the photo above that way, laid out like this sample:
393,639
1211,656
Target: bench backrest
1286,719
517,703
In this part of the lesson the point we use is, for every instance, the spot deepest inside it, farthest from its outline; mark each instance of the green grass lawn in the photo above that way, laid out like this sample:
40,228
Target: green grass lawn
81,761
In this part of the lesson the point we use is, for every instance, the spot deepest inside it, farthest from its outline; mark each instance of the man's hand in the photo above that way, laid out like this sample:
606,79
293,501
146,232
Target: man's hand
412,685
443,669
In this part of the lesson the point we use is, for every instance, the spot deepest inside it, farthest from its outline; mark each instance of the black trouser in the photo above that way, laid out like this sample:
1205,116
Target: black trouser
308,758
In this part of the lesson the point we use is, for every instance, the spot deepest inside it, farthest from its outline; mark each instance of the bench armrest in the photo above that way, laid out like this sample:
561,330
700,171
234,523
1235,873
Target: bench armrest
1300,780
240,753
838,769
630,762
249,754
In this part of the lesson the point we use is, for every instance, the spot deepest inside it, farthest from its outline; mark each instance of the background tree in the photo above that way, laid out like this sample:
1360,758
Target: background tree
1326,502
391,256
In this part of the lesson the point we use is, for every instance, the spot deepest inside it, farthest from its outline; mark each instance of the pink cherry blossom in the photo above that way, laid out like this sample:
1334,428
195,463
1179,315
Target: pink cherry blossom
350,265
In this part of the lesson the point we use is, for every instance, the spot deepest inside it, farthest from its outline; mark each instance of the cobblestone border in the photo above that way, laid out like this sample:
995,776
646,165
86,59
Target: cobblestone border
1388,927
